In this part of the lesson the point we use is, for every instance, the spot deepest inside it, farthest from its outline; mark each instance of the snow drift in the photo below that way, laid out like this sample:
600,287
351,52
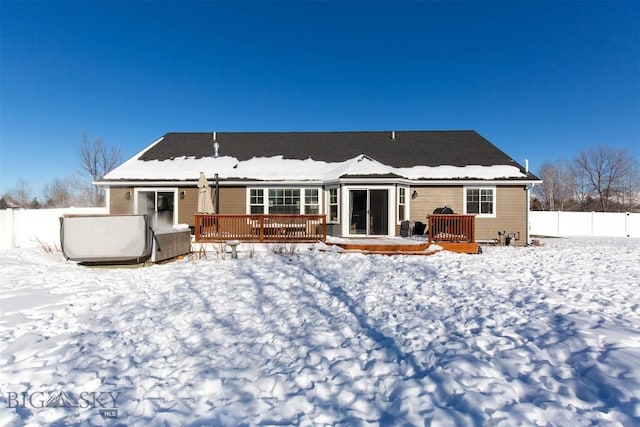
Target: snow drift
517,336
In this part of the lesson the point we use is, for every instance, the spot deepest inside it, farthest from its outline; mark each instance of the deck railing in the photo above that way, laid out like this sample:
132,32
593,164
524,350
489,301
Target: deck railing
451,228
260,228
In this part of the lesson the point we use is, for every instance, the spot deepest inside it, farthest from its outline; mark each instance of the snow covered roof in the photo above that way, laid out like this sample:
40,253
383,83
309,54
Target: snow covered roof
321,156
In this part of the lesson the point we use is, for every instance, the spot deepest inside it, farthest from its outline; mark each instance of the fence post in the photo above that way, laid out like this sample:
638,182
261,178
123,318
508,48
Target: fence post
13,228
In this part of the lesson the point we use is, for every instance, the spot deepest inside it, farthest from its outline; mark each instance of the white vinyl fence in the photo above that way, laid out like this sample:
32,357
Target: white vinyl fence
563,224
23,228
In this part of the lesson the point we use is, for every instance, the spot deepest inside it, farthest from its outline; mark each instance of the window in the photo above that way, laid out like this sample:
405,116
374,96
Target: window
311,201
256,201
284,201
402,203
480,201
287,201
333,205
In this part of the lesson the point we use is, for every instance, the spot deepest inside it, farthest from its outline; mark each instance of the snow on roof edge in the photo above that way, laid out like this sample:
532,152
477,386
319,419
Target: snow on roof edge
278,168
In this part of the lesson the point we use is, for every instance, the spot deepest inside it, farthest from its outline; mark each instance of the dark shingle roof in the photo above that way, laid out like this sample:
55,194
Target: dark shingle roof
410,148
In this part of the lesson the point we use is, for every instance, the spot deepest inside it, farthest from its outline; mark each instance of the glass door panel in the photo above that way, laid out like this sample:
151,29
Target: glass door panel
159,205
164,208
378,212
358,211
369,212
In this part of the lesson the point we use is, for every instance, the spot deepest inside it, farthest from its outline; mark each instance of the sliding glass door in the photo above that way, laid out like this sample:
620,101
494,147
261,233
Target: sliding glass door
369,212
159,205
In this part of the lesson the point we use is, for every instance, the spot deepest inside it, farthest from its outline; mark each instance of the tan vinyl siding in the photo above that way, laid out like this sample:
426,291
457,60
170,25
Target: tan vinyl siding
187,207
430,198
233,200
511,205
118,202
511,215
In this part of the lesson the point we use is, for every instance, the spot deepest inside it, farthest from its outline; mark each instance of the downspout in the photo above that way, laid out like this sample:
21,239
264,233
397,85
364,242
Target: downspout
216,153
217,196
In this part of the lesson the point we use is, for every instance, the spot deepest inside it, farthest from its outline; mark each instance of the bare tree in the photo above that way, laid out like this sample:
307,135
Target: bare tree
558,185
58,193
628,190
546,191
20,194
604,170
582,190
566,183
96,160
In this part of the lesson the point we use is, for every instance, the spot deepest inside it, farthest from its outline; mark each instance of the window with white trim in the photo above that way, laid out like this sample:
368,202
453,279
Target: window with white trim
334,213
289,201
402,203
311,201
480,201
256,201
284,200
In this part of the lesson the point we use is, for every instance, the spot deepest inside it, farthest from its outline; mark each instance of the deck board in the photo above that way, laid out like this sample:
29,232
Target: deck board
418,248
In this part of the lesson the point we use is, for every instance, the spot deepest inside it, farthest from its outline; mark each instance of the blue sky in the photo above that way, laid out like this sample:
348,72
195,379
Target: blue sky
541,80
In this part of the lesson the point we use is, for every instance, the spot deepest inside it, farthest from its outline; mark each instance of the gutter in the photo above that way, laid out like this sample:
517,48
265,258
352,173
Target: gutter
232,182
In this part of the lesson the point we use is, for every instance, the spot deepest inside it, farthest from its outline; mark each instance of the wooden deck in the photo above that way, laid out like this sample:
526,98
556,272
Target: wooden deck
260,228
450,232
445,232
407,247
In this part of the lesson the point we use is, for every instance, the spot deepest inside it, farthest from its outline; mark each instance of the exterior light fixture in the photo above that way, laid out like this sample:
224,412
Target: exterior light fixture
183,194
127,195
414,194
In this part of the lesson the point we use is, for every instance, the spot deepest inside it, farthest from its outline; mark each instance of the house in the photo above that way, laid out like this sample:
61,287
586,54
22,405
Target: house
366,183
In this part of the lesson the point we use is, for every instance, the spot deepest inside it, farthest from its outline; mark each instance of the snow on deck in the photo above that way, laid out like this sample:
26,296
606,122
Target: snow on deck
516,336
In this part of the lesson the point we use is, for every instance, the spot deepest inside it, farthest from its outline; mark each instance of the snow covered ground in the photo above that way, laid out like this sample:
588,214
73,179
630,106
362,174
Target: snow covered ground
516,336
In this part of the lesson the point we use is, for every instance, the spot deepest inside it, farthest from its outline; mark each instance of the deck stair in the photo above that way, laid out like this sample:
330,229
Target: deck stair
404,247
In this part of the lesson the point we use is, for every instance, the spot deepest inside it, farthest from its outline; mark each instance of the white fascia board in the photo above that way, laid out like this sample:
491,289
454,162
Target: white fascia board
407,181
254,183
378,181
341,181
478,182
144,183
221,182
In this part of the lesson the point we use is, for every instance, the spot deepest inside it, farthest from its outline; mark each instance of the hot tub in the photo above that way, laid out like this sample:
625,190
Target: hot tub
170,243
119,239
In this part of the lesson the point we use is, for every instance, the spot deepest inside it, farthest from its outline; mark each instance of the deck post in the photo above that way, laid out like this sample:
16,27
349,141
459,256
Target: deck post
262,228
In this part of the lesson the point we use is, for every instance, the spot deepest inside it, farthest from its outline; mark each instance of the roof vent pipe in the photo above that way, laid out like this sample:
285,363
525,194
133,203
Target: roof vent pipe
216,146
393,135
526,165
